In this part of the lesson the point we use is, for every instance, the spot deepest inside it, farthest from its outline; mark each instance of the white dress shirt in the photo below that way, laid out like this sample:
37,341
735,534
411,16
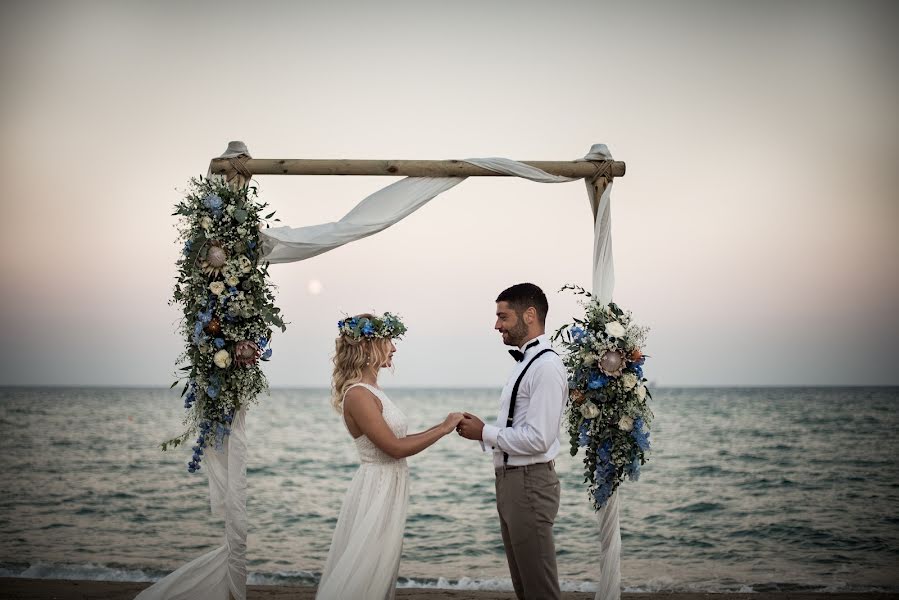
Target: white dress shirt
534,434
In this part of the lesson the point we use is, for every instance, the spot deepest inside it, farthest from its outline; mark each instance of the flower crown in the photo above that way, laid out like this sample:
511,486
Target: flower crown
388,326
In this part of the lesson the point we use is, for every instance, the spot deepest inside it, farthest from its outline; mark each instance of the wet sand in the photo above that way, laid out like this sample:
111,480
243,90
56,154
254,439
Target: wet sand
33,589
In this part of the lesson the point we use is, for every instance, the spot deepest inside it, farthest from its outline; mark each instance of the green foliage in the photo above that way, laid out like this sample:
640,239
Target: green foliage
226,299
607,406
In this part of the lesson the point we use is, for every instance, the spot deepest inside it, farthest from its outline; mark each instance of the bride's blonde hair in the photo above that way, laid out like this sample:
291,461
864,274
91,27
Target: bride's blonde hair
351,358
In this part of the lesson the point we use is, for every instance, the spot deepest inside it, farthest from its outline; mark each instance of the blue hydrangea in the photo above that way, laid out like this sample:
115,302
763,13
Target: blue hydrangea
633,469
198,336
212,391
368,329
597,380
578,334
602,493
219,343
640,437
583,434
212,201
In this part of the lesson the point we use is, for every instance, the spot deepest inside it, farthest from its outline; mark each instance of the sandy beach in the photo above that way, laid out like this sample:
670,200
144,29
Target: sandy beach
58,589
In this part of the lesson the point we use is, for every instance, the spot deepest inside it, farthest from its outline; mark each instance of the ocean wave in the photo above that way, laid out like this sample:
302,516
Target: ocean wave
85,572
96,572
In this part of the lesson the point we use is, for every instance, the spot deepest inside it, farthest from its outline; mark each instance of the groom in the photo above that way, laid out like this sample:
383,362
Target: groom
524,442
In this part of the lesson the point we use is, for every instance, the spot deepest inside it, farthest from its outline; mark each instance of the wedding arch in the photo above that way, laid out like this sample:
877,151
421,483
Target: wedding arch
221,573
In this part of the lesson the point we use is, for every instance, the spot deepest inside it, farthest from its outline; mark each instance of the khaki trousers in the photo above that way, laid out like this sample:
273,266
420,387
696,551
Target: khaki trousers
527,499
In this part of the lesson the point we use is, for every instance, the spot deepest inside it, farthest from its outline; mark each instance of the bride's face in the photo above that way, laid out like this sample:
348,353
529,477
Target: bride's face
389,362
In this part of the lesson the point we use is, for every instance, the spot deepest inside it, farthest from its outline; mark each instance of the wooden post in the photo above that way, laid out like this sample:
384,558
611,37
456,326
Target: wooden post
406,168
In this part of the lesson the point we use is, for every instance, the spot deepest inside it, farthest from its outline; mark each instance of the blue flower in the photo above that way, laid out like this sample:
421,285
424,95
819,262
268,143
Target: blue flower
212,391
368,329
604,453
638,370
577,333
219,343
187,246
262,342
583,435
266,355
597,380
212,201
340,324
602,493
633,469
198,336
640,437
204,316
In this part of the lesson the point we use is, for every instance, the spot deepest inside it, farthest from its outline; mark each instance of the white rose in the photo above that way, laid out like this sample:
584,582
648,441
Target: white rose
589,410
626,423
222,359
628,380
233,281
615,329
217,288
641,392
206,223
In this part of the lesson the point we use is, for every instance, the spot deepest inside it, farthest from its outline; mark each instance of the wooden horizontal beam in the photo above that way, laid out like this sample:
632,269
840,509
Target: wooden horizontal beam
407,168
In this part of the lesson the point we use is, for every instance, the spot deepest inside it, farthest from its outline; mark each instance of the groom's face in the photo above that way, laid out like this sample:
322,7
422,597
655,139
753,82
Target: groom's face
510,324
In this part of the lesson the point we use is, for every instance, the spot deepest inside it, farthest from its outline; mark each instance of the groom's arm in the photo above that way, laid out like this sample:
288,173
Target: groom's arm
548,390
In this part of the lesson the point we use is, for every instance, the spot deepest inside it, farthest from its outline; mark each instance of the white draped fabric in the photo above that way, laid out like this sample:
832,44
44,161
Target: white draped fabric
223,571
379,211
603,284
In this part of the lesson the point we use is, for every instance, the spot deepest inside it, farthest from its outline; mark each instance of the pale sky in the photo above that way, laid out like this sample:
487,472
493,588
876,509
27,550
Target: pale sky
753,232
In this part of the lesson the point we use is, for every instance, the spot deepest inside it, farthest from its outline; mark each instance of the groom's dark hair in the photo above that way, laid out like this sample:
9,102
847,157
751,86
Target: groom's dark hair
522,296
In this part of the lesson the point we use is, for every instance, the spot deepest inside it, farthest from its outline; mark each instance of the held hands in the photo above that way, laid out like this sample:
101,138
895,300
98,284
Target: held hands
452,420
470,427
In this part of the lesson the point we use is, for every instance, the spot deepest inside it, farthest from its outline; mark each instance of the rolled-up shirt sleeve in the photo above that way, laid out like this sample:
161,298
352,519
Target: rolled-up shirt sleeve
540,429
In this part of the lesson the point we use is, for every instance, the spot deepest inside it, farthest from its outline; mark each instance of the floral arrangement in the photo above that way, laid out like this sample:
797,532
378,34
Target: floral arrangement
606,411
228,307
388,326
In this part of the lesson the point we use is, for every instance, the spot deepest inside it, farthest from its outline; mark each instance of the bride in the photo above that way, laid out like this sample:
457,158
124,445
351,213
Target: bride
364,558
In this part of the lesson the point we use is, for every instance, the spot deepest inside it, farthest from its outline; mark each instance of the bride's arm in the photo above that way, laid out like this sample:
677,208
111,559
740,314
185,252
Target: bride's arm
362,406
425,431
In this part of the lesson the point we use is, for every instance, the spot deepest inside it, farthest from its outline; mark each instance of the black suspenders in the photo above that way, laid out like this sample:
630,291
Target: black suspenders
515,393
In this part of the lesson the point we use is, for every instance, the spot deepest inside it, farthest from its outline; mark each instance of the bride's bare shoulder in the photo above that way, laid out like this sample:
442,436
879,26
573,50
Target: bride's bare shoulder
359,397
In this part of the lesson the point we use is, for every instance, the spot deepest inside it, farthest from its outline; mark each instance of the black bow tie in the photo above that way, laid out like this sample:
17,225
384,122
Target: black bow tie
519,355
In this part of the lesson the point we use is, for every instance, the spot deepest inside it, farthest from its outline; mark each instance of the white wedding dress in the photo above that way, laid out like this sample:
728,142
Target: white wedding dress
364,558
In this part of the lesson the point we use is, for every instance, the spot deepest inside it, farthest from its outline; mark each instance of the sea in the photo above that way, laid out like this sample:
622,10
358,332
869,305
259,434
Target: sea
746,490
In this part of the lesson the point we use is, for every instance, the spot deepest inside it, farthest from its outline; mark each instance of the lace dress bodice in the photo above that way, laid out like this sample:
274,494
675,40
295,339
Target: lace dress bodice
395,419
